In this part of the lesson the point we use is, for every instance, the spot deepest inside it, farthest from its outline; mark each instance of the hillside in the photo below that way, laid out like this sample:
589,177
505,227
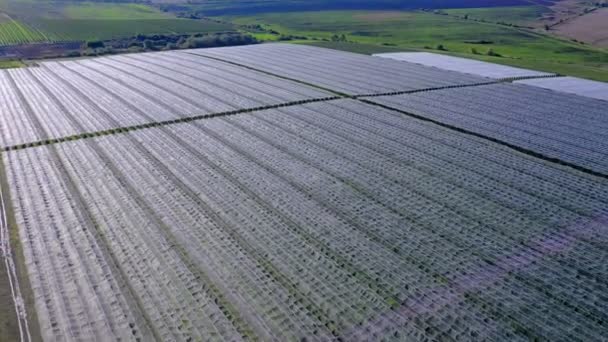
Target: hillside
591,28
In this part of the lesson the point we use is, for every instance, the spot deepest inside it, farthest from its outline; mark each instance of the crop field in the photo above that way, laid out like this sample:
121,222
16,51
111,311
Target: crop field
344,72
132,90
572,85
240,7
114,11
188,196
14,32
519,15
571,128
64,21
102,29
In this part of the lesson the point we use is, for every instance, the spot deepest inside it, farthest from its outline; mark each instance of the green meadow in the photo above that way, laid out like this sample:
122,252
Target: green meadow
102,29
111,11
520,15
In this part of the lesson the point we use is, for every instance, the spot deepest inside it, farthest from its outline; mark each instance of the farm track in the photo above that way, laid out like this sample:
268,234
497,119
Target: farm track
8,256
389,189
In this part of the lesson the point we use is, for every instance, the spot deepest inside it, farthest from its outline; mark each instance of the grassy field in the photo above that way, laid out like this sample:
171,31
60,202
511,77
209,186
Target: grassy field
93,21
9,329
366,49
104,11
82,29
247,7
520,15
10,64
420,30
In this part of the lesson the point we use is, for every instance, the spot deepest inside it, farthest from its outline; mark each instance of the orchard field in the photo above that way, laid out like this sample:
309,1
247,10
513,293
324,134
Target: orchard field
287,192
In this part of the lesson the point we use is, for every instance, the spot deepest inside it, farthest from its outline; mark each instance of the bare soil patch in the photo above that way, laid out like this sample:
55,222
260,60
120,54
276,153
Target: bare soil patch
591,28
564,10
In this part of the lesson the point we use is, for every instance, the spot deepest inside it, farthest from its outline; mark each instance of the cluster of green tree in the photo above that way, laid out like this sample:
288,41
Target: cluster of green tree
214,40
338,38
480,41
160,42
490,52
285,37
257,28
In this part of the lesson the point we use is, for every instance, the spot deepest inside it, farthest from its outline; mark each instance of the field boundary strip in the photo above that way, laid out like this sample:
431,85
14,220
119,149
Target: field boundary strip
11,272
125,129
520,149
521,78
